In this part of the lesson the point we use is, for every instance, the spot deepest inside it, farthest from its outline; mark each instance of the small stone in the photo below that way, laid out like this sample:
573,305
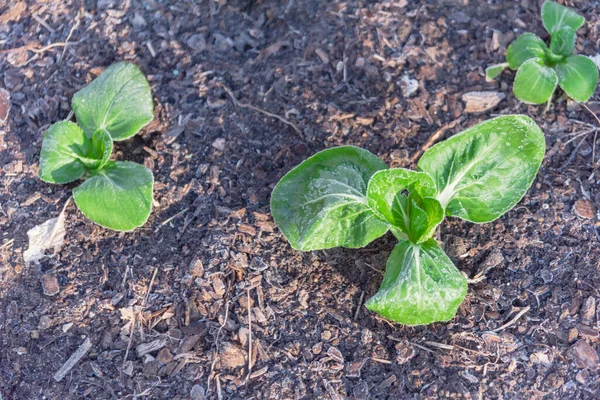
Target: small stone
360,63
223,43
197,42
257,264
164,356
45,322
584,208
219,144
50,284
584,355
67,327
232,356
198,393
408,85
477,102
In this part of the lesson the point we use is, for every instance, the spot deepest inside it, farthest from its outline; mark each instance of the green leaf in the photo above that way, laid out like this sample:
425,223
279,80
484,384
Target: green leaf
578,77
64,153
525,47
102,146
535,82
118,101
493,71
555,16
118,196
484,171
562,41
420,285
415,215
322,202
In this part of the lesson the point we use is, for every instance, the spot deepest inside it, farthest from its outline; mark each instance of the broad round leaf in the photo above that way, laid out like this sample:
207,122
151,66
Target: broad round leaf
118,101
64,153
555,16
485,170
420,285
493,71
562,41
322,202
535,82
118,196
415,215
525,47
578,77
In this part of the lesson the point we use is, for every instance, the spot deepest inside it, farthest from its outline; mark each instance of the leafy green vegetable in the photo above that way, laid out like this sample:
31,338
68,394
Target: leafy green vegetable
493,71
562,42
346,197
329,208
535,82
65,153
525,47
118,101
116,195
485,170
420,285
578,77
555,16
540,68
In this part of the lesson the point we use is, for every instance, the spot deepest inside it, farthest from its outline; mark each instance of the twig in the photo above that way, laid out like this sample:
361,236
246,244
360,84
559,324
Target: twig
437,135
512,321
149,288
249,335
74,359
595,134
260,110
422,347
75,26
362,296
43,23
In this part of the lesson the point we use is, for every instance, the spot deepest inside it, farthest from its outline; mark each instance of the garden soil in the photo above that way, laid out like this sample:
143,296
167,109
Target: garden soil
207,300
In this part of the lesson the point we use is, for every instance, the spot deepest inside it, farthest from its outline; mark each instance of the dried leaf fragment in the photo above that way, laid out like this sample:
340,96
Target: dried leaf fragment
49,235
476,102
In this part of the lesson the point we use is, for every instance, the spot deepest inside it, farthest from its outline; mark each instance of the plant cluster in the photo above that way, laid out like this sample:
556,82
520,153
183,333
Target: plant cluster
541,68
347,197
113,107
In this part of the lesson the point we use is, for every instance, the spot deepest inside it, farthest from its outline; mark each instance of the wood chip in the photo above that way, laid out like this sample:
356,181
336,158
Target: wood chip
322,55
584,355
153,346
4,105
74,359
584,208
477,102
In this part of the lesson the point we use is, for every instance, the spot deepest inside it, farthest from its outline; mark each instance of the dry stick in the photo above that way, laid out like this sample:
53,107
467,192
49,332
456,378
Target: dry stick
75,26
437,135
512,321
74,359
135,319
362,296
249,336
595,134
260,110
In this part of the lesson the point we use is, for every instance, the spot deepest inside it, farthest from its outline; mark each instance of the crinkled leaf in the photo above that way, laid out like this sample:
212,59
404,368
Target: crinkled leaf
420,285
562,41
118,101
484,171
322,202
423,215
535,82
525,47
493,71
118,196
555,16
578,77
64,154
412,215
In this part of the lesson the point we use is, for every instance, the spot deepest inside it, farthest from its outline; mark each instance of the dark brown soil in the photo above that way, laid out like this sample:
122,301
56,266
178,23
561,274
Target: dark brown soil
226,280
